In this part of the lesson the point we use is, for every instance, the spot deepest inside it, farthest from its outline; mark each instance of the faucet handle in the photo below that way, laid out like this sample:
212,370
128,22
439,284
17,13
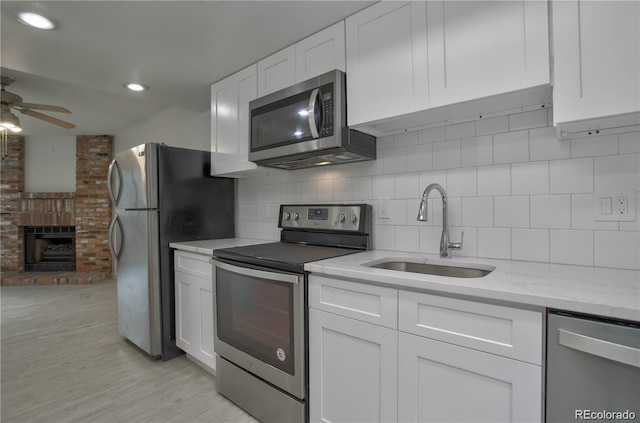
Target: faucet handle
457,245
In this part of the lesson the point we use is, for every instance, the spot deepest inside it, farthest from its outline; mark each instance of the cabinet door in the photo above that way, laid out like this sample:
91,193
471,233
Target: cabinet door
321,52
277,71
386,61
352,370
441,382
185,298
230,122
483,48
596,59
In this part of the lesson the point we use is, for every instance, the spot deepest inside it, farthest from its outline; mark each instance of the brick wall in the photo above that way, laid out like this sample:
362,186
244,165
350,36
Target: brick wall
11,188
92,206
89,208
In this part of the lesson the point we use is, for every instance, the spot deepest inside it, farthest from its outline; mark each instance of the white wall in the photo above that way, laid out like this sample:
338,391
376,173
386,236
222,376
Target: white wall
515,190
50,164
174,126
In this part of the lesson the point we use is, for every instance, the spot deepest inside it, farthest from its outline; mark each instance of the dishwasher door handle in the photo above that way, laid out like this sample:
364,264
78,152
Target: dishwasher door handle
598,347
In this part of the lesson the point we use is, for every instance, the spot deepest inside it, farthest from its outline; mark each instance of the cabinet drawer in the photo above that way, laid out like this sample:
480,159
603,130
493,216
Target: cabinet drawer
193,264
505,331
368,303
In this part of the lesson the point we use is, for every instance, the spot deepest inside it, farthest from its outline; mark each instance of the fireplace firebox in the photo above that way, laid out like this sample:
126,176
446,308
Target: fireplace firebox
49,248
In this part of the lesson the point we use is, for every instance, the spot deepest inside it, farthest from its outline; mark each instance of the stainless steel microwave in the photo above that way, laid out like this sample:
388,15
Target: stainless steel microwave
305,125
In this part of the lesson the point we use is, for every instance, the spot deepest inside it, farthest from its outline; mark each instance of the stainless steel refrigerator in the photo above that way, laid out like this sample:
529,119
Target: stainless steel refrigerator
160,194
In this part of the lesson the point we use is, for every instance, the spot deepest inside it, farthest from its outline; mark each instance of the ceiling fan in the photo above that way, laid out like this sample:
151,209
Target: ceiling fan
13,101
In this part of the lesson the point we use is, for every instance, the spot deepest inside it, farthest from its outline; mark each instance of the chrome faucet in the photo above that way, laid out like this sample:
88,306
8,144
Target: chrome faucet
423,216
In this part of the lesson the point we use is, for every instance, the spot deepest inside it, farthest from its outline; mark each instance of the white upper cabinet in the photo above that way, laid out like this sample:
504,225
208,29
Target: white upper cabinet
320,53
386,61
277,71
483,48
230,99
596,67
313,56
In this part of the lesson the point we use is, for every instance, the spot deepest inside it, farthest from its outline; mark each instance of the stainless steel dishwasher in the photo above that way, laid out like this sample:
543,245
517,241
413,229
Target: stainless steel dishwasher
593,369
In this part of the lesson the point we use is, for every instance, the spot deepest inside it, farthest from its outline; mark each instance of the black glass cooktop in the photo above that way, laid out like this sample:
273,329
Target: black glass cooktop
285,256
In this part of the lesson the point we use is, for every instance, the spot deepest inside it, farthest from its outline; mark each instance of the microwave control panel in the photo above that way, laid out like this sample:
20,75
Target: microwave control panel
348,217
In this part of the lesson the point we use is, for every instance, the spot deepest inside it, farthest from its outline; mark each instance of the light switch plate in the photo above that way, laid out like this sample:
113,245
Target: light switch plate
616,206
383,208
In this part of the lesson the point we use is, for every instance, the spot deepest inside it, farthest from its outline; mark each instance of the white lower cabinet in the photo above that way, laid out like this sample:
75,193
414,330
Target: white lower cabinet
441,382
194,307
443,360
353,370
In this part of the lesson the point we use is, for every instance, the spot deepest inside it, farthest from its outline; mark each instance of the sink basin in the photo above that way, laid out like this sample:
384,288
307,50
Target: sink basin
452,271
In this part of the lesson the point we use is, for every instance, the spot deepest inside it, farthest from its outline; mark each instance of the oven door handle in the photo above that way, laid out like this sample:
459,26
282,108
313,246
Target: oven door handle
273,276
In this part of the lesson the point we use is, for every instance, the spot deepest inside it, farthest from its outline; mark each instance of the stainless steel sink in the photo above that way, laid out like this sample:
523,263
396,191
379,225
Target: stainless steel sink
452,271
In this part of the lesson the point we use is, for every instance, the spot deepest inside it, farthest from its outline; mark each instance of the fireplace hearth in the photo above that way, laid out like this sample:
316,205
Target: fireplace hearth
49,248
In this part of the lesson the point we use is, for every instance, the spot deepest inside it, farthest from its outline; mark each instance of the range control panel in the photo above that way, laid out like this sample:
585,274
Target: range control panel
347,217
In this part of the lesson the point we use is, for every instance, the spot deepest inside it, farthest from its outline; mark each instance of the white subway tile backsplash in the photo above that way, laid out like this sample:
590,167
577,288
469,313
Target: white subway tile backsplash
526,120
477,211
395,160
511,211
530,244
419,157
407,185
582,214
617,173
571,176
511,147
407,238
600,145
494,180
406,139
530,178
571,247
494,243
430,239
383,186
431,135
617,249
520,194
492,125
460,130
446,154
629,142
550,211
476,151
544,145
461,182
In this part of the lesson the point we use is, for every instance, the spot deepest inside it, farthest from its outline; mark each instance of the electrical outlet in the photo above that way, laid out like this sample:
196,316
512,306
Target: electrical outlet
383,208
616,206
621,205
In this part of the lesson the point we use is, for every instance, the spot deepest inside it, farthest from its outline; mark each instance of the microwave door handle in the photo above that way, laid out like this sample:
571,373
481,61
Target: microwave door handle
313,125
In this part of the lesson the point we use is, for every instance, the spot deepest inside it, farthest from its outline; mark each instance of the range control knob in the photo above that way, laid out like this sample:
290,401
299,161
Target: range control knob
353,218
340,218
296,216
286,216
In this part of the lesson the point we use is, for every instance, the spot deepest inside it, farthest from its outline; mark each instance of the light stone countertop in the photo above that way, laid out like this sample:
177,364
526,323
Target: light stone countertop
605,292
206,246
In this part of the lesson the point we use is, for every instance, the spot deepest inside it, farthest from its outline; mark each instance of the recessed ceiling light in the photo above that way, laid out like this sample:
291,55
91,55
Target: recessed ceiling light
36,21
136,87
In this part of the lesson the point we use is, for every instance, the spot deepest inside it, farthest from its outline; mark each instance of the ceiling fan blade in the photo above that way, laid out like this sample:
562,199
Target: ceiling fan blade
46,118
46,107
9,98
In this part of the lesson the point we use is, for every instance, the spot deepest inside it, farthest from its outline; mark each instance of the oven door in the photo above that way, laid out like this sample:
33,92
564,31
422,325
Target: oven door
260,323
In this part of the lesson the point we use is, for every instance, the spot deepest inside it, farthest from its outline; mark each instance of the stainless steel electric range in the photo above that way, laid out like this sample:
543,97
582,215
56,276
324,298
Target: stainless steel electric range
260,305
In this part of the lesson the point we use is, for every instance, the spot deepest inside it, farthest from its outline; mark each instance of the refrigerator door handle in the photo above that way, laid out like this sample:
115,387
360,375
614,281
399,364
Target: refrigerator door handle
115,249
115,197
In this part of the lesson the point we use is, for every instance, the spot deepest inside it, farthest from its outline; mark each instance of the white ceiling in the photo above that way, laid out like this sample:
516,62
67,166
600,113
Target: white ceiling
177,48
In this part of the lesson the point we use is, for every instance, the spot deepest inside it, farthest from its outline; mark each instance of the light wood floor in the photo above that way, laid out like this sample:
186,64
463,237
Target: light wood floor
63,360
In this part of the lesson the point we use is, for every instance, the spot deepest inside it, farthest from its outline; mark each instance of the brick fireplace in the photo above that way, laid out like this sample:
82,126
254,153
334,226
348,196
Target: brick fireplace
83,215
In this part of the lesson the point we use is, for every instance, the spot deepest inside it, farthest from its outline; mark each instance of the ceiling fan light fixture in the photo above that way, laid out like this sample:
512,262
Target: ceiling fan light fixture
134,86
9,121
36,20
